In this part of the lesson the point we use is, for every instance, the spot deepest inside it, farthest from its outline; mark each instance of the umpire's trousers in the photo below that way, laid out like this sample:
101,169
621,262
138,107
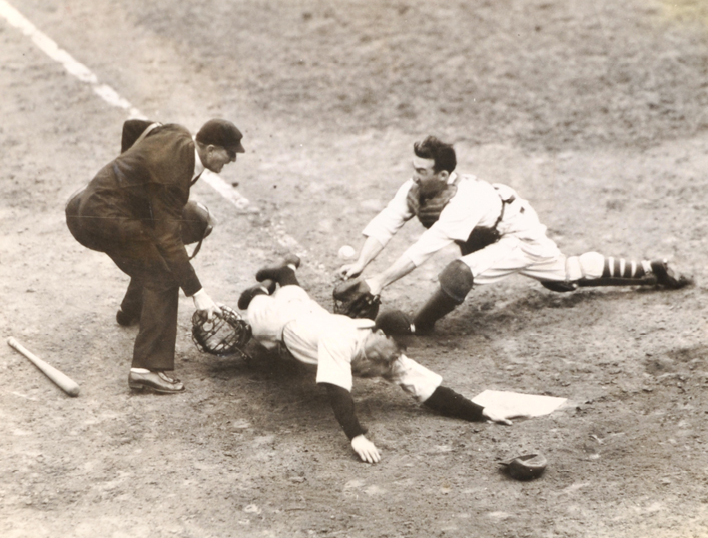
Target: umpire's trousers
153,292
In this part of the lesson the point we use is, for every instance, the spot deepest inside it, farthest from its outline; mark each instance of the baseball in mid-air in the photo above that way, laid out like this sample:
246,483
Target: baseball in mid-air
346,252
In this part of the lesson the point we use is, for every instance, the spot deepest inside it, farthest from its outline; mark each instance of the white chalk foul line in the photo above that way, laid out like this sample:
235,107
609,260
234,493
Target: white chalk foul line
51,49
113,98
104,91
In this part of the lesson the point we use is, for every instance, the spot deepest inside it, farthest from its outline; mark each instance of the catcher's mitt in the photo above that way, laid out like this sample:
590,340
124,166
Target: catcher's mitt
353,298
223,335
526,467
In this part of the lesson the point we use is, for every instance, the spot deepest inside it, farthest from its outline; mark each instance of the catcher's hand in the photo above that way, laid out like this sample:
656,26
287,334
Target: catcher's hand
351,270
225,334
353,298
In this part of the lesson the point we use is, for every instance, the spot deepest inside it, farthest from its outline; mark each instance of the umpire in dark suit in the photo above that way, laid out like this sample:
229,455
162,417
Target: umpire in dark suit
133,211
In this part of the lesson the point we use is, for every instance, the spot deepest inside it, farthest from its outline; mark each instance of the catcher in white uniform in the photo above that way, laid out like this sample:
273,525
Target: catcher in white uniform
499,234
282,315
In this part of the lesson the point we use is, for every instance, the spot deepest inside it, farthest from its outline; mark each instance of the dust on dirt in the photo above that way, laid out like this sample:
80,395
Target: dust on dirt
595,112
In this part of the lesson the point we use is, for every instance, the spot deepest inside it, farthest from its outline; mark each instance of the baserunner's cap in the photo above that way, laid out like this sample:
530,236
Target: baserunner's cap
395,323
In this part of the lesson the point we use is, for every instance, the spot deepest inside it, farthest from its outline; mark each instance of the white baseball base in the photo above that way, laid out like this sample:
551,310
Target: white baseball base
518,404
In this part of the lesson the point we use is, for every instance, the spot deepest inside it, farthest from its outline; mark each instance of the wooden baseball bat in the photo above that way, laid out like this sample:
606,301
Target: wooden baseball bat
63,381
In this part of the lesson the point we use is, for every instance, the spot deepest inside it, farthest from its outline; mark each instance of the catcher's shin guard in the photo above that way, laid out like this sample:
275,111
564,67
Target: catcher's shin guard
439,305
456,281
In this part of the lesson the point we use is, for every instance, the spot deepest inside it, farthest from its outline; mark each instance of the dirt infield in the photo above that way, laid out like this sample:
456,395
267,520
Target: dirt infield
596,112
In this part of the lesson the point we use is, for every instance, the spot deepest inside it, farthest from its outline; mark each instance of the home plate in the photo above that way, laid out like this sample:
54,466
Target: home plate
515,404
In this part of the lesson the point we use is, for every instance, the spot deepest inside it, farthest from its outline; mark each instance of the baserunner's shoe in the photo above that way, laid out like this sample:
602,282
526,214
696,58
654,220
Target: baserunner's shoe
283,272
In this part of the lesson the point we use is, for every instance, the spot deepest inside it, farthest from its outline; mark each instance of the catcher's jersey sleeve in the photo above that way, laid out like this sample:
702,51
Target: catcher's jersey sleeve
385,225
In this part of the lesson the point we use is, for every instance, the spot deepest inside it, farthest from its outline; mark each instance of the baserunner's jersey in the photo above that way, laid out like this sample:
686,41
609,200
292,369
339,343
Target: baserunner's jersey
315,336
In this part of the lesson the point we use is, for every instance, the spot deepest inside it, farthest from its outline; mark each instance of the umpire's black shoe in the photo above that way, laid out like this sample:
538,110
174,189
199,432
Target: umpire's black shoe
126,320
667,277
156,381
281,273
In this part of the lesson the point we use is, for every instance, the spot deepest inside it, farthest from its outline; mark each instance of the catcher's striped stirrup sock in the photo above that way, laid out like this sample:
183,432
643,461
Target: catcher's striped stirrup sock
621,272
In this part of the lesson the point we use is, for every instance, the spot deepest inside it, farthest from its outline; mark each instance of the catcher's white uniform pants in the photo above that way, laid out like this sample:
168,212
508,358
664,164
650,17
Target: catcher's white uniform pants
541,260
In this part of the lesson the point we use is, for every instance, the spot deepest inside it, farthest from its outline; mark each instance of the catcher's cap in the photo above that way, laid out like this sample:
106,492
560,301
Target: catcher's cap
394,323
218,132
526,466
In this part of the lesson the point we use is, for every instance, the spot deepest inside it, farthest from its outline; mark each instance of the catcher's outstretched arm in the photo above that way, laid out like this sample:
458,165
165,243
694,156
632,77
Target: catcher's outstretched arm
372,247
400,268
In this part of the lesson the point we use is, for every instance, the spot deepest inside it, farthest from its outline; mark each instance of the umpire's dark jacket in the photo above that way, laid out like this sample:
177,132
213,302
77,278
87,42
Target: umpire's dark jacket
143,191
131,211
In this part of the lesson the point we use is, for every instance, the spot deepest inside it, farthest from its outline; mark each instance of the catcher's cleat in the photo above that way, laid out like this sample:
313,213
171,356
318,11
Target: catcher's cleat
667,277
155,381
126,320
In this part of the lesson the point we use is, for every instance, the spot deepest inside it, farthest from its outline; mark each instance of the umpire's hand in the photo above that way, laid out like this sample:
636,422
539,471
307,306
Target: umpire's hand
366,449
204,304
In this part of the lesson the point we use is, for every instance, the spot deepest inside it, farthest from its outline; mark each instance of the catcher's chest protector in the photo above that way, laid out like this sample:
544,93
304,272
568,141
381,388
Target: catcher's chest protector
428,209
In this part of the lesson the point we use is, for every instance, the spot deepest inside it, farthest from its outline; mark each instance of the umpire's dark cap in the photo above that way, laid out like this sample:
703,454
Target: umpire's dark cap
218,132
395,323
